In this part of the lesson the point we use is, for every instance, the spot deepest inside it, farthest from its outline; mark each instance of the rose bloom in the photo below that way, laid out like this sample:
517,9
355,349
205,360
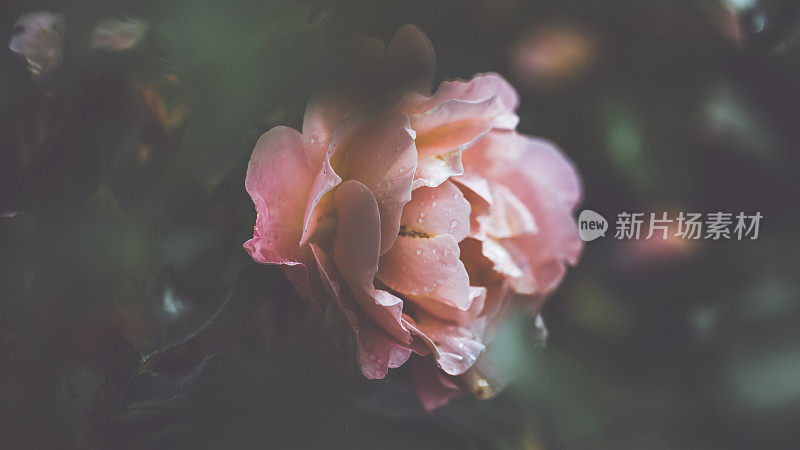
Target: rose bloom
424,217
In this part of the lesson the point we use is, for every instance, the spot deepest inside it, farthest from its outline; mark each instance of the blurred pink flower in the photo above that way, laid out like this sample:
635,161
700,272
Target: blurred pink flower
552,55
660,249
119,34
424,217
39,39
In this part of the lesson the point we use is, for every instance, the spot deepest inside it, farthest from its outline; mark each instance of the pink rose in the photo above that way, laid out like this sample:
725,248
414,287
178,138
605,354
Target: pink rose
425,218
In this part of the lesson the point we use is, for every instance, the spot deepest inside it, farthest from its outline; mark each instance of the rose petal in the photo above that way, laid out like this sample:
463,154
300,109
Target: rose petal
435,211
369,63
356,250
427,269
543,163
453,119
377,149
278,180
553,170
544,181
448,312
377,351
507,216
503,262
411,59
434,388
477,185
456,124
455,347
435,170
480,87
324,112
540,262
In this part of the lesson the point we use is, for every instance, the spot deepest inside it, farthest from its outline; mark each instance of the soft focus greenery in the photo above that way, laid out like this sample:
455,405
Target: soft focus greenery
123,214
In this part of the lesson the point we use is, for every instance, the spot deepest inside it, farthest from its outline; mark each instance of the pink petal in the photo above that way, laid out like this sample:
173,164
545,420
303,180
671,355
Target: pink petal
278,180
453,119
500,300
501,259
427,269
319,208
377,149
482,86
478,193
540,261
455,347
411,58
435,211
499,294
447,130
326,109
435,170
553,170
455,124
356,250
409,53
434,388
545,182
445,311
496,214
477,185
507,216
377,351
324,112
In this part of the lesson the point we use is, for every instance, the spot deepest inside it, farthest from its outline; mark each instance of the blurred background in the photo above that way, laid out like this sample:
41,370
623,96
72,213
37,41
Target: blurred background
130,316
